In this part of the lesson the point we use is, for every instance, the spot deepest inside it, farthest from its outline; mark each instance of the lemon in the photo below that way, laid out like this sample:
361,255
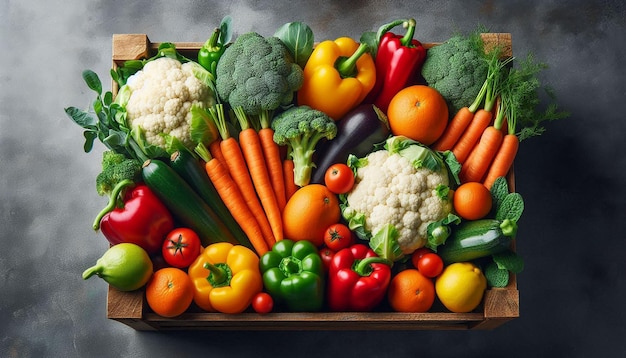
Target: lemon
124,266
461,286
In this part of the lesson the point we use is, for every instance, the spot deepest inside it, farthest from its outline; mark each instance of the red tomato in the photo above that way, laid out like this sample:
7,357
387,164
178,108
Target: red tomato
181,247
417,254
338,236
262,303
327,256
339,178
430,265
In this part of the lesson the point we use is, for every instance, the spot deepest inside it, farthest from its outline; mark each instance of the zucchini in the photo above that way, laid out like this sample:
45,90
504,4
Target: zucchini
186,206
190,169
475,239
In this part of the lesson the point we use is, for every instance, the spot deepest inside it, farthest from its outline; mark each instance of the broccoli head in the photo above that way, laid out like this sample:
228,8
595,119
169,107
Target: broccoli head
258,74
300,128
118,173
457,69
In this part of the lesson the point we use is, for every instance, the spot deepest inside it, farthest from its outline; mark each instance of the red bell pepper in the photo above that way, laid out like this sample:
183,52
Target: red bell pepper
143,220
358,279
398,60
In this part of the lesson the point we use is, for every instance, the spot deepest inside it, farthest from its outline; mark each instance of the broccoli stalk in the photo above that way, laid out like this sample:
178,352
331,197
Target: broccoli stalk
300,129
118,173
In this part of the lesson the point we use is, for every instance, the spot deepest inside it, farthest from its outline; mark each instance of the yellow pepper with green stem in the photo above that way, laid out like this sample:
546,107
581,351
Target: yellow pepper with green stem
225,278
337,77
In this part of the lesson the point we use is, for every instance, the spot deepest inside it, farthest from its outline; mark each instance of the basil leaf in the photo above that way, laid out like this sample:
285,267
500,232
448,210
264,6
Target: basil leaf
511,207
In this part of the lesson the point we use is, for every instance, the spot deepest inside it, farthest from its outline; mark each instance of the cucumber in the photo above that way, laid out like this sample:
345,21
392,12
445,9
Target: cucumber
475,239
190,169
186,206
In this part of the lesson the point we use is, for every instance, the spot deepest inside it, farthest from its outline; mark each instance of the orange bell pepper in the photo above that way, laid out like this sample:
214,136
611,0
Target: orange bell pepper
337,77
225,278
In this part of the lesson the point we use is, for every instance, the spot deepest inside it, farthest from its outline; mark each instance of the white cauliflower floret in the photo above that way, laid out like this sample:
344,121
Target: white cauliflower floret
392,190
162,94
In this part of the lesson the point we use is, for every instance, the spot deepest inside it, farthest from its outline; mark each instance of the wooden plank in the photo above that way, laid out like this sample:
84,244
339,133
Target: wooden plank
499,306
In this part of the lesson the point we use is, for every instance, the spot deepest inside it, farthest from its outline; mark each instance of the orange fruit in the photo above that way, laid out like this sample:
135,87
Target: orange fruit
418,112
411,291
309,212
169,292
472,201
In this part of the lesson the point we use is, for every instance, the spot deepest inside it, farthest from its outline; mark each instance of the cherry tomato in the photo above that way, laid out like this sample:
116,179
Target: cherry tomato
327,256
417,254
339,178
430,265
181,247
338,236
262,303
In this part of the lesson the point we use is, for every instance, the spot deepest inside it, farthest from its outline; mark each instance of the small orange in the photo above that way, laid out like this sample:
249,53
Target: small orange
472,201
169,292
411,291
309,212
418,112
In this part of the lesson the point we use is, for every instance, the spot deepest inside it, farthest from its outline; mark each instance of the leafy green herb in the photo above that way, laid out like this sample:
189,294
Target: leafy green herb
511,207
298,38
509,260
496,277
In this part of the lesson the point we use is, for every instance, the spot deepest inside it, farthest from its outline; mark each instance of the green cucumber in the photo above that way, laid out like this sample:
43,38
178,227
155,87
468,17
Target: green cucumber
185,205
190,169
475,239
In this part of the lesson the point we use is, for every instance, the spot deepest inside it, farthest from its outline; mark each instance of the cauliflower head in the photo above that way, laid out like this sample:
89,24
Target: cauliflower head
160,99
398,192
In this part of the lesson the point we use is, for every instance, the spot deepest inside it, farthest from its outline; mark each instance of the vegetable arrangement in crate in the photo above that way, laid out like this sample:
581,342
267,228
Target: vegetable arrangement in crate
273,174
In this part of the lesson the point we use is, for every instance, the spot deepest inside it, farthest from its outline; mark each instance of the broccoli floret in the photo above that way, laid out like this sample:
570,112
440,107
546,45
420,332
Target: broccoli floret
118,173
258,74
301,128
457,69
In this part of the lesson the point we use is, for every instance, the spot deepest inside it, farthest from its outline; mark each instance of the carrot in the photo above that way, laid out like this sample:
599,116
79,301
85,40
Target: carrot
480,157
273,159
235,202
216,152
470,137
250,144
290,185
239,172
454,129
503,161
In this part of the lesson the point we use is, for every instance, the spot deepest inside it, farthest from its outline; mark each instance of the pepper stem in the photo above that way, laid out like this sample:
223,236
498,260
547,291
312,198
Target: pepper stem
113,201
364,267
290,265
346,66
220,274
410,31
211,44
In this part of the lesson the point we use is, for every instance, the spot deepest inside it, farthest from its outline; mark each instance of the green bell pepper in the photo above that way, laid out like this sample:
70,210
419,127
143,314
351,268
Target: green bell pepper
293,274
211,52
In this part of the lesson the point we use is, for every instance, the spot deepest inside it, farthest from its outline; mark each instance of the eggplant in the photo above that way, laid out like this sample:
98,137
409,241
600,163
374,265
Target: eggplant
357,133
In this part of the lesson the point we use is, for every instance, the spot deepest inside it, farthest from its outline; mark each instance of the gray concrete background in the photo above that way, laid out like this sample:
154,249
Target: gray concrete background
572,178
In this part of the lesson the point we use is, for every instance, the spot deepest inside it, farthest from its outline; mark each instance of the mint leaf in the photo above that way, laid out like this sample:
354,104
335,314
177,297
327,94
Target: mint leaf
511,207
509,260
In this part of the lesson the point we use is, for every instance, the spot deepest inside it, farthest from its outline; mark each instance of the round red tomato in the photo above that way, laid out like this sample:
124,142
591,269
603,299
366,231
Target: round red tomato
181,247
338,236
262,302
339,178
327,256
417,254
430,265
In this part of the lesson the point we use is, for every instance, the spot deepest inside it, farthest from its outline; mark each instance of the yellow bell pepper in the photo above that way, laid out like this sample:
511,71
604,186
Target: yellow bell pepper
337,77
225,278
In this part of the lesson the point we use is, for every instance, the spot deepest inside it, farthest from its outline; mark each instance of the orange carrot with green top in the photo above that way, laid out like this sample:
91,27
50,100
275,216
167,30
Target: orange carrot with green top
233,199
273,159
239,172
465,144
250,144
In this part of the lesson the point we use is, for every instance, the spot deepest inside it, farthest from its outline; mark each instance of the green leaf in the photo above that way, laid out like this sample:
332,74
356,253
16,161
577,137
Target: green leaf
202,129
439,231
385,243
93,81
496,277
369,38
511,207
298,38
82,118
454,167
499,190
90,137
226,32
509,260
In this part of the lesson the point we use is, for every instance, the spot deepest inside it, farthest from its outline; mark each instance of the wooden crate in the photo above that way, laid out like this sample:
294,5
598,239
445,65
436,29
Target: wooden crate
499,305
